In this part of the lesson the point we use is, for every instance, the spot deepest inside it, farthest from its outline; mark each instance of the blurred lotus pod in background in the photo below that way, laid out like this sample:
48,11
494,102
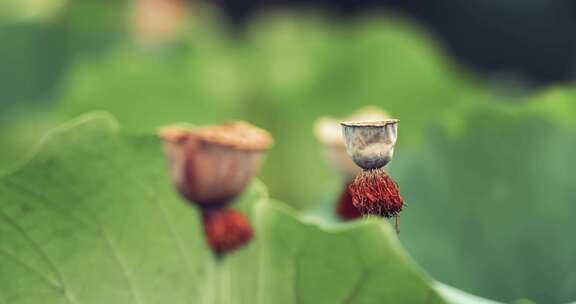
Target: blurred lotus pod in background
158,21
210,166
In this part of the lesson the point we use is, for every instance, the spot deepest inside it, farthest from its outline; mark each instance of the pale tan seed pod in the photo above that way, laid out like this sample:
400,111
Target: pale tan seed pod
329,132
211,165
370,143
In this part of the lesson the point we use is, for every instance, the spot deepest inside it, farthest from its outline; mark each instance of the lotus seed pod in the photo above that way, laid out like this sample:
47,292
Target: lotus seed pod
370,144
210,166
329,132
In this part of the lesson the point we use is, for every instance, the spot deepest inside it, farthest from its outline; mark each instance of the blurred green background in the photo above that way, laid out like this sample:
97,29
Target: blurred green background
484,161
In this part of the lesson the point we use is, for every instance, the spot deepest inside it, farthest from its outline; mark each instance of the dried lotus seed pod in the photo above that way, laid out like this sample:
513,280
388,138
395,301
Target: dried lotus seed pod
371,143
371,146
210,166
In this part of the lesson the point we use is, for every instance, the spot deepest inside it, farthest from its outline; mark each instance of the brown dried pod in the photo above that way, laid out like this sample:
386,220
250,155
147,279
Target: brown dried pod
211,165
226,229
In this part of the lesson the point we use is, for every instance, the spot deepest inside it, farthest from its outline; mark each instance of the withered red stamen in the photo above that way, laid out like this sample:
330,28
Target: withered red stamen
374,192
226,229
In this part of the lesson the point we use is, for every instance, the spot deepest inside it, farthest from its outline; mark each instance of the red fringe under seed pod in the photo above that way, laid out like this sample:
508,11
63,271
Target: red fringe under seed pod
374,192
226,229
345,209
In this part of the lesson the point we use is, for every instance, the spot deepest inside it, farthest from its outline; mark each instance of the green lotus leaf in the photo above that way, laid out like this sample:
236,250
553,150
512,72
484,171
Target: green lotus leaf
93,218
